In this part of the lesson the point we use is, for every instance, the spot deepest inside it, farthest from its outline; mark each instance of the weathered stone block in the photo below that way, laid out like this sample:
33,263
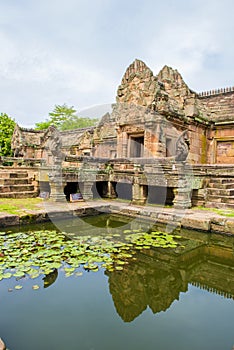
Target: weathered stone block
196,222
8,220
229,226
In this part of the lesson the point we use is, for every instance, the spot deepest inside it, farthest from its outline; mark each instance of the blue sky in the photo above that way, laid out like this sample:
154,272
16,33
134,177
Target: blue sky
76,51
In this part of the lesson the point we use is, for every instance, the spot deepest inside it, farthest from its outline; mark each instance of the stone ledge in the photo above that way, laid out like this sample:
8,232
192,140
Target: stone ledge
8,220
192,219
196,223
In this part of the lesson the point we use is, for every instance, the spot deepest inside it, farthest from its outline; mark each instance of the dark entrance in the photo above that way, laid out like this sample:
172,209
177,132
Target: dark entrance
70,188
160,195
136,146
124,190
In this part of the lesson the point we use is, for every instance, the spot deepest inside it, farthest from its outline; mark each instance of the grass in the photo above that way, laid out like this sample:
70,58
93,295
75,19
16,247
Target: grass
223,212
18,205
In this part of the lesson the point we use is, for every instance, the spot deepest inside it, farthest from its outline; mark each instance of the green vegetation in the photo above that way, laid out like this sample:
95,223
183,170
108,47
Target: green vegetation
65,118
223,212
7,126
42,252
17,206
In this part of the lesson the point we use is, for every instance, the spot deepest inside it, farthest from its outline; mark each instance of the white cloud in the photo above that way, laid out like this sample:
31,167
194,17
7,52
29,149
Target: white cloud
76,52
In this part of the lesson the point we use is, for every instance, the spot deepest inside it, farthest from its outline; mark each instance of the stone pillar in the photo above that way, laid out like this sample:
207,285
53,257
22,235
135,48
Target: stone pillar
111,193
87,190
125,145
53,145
139,191
182,199
56,192
139,194
56,184
183,191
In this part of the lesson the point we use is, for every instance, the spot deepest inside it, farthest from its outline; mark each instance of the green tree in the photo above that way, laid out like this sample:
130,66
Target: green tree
64,118
43,125
61,114
78,122
7,126
57,117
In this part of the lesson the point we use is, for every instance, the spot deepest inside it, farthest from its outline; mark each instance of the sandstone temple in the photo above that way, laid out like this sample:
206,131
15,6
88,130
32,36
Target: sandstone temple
162,144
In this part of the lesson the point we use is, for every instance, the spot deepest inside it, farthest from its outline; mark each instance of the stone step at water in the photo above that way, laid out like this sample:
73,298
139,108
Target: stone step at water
12,174
16,188
14,181
220,199
219,205
221,180
25,194
221,191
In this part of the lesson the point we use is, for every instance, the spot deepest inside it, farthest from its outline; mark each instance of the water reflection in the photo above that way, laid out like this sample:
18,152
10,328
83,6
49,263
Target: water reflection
157,277
50,278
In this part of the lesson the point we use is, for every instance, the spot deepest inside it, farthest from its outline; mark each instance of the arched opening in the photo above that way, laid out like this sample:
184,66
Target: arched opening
100,189
71,188
104,189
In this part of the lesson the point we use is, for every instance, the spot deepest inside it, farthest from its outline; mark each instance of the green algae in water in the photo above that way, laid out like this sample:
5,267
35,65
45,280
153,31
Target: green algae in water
42,252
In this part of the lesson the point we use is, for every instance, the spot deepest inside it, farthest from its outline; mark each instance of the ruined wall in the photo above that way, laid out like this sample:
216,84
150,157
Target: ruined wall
138,86
105,138
220,103
151,112
198,144
159,107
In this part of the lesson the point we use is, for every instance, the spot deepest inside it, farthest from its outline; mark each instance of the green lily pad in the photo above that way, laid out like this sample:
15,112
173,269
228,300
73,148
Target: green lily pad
35,287
18,287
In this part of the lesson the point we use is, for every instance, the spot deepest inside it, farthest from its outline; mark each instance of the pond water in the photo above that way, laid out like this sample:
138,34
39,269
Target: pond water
175,296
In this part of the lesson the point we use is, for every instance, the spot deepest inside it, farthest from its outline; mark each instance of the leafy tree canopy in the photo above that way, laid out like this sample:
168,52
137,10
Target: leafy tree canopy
7,126
78,122
64,118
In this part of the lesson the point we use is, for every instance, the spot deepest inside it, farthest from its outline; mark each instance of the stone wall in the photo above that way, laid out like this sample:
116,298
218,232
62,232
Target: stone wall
221,145
220,103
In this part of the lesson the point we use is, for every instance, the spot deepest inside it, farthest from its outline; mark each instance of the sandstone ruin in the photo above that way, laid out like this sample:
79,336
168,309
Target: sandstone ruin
163,143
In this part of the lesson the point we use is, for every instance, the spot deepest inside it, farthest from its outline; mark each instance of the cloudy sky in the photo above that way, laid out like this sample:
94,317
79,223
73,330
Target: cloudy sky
76,51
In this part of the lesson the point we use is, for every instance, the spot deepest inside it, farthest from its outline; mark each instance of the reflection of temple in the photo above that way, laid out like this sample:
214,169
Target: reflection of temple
144,284
157,277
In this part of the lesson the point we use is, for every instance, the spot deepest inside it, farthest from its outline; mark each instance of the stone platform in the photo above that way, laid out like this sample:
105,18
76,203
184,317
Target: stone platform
197,219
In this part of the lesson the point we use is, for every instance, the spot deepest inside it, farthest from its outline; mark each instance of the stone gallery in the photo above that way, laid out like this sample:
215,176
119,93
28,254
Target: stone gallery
162,143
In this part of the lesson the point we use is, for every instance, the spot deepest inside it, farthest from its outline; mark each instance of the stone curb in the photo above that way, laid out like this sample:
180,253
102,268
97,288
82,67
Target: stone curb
191,219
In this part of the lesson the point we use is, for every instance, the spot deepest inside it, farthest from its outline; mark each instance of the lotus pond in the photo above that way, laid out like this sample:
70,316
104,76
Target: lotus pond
108,282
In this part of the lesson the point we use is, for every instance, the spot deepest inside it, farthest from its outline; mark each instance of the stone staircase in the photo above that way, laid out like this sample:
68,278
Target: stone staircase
16,184
220,193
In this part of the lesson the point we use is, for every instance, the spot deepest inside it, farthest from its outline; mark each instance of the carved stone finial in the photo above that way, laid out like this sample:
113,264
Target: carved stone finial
182,147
